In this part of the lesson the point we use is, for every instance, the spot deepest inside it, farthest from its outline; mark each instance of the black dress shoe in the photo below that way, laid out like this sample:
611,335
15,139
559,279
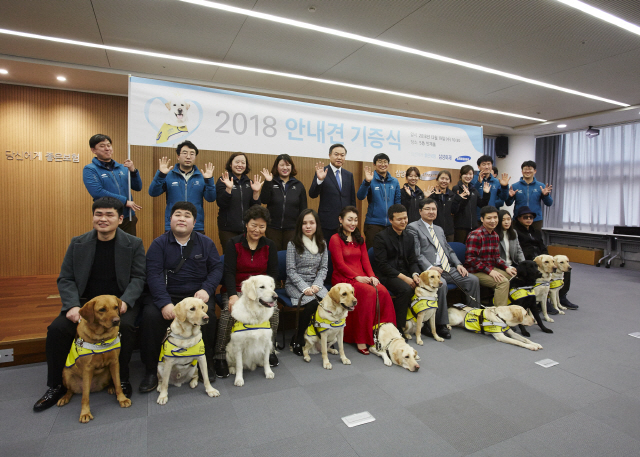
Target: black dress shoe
443,331
552,311
50,398
127,390
564,301
273,360
426,330
211,372
221,368
149,382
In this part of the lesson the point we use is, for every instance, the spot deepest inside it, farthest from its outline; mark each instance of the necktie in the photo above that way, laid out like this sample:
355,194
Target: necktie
338,179
443,258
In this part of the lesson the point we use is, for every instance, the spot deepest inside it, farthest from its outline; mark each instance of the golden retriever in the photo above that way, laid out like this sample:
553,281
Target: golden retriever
496,321
183,350
426,300
93,362
545,267
250,343
327,326
394,349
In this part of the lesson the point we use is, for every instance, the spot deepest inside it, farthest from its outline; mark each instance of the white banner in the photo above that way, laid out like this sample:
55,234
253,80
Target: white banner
164,114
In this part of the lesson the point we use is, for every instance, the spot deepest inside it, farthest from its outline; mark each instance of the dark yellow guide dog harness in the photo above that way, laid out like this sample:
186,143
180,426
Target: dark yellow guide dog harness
319,325
474,321
80,348
418,305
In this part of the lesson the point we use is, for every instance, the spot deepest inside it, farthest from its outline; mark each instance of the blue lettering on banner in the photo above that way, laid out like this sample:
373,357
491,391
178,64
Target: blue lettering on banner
463,158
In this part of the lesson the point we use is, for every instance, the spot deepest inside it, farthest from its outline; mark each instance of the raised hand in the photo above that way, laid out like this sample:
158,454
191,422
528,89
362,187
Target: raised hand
208,171
504,179
227,180
129,164
464,193
546,190
368,174
267,174
512,192
486,187
164,165
256,184
321,173
408,189
430,190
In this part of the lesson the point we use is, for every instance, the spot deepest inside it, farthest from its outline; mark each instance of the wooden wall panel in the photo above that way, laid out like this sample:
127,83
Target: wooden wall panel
44,204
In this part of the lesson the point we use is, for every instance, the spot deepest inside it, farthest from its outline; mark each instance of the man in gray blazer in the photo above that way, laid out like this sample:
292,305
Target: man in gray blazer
443,259
104,261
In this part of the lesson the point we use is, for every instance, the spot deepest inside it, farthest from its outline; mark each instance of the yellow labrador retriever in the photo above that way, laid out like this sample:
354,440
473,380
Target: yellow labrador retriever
183,350
561,262
327,325
423,307
394,349
495,321
545,267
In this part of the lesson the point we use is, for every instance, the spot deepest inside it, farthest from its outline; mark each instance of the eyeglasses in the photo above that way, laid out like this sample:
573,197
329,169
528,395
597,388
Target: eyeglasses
337,154
382,162
188,154
527,216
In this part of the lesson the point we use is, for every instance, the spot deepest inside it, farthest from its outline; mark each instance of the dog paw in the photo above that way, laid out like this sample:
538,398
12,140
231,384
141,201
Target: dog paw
346,361
239,382
84,418
547,330
532,347
162,399
562,307
388,363
63,401
439,339
194,383
307,358
333,351
232,370
213,392
417,357
124,403
269,374
111,390
419,341
407,336
560,312
327,365
548,319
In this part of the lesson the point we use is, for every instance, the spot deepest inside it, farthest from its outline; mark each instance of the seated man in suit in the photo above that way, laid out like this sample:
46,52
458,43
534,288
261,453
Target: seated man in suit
103,261
181,263
336,189
433,251
396,264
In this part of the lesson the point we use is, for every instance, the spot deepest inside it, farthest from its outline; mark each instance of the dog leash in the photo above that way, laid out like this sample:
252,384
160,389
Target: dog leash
376,328
480,305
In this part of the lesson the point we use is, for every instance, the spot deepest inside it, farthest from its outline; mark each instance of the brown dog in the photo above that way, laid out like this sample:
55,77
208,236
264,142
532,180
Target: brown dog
93,363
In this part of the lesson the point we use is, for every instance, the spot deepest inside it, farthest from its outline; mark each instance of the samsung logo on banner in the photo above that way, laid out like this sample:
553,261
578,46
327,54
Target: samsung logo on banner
463,158
429,175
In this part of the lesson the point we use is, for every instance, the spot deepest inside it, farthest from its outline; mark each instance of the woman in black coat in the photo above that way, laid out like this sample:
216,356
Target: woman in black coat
444,201
465,201
411,194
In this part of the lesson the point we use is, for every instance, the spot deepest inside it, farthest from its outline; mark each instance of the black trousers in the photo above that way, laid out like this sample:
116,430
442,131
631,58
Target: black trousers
401,293
304,319
154,328
62,332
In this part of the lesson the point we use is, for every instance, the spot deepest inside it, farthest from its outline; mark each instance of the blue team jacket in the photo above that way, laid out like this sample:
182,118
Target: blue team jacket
529,195
179,190
102,182
380,195
498,193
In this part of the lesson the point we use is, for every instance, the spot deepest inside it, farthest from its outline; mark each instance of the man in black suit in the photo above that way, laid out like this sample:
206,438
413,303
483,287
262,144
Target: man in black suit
336,189
104,261
396,263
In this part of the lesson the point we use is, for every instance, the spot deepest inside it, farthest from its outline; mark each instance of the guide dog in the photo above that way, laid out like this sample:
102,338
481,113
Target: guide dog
250,343
327,325
522,293
394,349
92,363
561,262
183,350
423,307
546,268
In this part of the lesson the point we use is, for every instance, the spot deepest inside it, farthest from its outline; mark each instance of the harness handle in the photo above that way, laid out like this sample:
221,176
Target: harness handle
376,329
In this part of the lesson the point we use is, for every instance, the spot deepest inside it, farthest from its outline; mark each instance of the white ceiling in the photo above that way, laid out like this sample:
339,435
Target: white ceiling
539,39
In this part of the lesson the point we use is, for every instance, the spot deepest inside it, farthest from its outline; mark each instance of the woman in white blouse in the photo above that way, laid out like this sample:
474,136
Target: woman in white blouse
510,250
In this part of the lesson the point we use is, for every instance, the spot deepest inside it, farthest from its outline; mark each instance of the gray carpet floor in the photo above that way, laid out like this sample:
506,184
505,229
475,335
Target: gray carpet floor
472,396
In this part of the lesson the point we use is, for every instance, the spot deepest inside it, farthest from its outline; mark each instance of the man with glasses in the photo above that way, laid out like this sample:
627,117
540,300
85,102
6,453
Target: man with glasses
336,189
184,182
381,191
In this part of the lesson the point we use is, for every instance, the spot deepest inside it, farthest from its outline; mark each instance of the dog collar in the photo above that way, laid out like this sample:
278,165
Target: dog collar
386,348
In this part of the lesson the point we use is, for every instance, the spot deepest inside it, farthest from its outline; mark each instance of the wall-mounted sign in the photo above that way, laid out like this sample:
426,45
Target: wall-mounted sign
49,156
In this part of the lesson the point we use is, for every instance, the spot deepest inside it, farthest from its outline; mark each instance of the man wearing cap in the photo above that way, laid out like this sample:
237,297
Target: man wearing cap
381,191
532,245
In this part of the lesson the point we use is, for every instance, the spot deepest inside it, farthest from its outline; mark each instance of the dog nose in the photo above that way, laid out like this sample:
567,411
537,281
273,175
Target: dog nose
205,318
116,321
355,302
417,367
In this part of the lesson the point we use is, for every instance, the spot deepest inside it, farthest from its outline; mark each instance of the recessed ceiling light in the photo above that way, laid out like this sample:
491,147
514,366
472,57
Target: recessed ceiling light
597,13
260,70
61,78
561,126
386,44
3,71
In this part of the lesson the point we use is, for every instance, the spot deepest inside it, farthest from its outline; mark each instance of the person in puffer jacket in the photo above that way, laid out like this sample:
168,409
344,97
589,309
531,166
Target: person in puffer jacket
530,192
498,194
381,191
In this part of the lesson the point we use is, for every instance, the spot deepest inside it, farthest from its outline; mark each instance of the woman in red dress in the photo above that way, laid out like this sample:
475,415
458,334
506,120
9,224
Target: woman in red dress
351,265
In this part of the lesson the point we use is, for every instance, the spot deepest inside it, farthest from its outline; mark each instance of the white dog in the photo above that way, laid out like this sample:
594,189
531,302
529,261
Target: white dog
176,125
394,349
424,305
183,348
250,343
545,267
561,262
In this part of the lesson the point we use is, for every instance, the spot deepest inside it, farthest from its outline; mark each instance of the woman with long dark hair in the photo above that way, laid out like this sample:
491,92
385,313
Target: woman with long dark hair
444,201
465,201
285,198
411,194
510,250
351,265
307,266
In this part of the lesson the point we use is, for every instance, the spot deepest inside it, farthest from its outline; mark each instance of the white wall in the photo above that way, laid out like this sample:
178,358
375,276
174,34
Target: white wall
521,148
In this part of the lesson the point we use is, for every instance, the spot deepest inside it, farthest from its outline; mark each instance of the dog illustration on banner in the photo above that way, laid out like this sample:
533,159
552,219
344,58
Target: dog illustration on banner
175,116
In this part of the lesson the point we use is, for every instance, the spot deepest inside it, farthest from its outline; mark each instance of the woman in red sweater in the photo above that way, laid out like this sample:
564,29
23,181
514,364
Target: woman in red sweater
351,265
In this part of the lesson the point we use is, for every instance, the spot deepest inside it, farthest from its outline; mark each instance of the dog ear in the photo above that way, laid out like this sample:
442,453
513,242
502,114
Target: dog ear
87,311
206,307
181,311
249,289
538,261
119,305
334,294
168,105
187,105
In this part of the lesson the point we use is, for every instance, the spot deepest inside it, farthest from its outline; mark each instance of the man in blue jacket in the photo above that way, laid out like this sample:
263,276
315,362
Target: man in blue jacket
381,191
529,192
485,175
170,281
184,183
104,177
